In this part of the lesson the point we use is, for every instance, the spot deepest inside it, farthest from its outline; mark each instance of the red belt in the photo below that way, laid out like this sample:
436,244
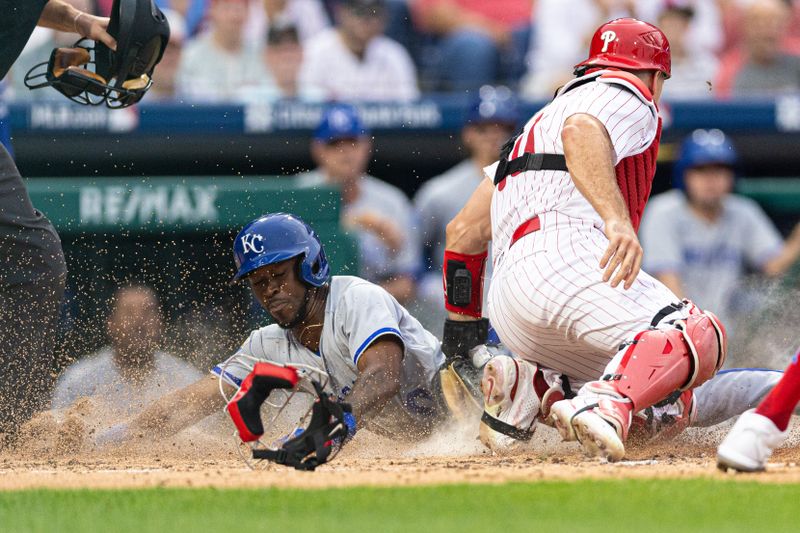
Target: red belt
529,226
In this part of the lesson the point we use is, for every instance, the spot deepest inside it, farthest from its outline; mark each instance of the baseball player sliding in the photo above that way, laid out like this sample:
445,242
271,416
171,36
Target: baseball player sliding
378,358
561,208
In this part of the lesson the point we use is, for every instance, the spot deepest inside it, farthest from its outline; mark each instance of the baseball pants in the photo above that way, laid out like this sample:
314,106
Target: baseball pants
550,305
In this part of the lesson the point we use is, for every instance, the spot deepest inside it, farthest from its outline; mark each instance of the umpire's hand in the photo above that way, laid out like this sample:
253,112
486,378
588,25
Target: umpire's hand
623,255
94,28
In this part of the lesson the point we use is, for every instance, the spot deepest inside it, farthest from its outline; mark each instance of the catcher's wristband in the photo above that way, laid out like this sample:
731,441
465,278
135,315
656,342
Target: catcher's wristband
459,336
463,282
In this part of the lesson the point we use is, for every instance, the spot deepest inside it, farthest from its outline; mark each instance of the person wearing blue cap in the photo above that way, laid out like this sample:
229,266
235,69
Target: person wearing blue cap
700,239
492,118
380,214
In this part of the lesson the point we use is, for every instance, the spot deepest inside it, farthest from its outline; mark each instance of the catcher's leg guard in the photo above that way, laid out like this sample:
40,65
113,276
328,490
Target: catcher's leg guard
656,365
660,362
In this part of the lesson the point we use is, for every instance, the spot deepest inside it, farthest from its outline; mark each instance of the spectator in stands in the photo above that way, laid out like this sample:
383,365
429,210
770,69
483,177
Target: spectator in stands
491,120
354,61
700,239
761,66
164,81
380,215
307,16
693,70
218,66
131,372
480,42
563,29
282,56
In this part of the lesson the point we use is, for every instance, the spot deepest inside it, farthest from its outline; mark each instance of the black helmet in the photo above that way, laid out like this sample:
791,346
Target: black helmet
120,78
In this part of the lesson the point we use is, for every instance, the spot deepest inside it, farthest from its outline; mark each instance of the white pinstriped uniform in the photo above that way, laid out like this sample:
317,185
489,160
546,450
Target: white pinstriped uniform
547,300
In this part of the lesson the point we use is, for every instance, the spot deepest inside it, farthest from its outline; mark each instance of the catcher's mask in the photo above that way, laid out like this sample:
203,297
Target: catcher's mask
119,78
315,439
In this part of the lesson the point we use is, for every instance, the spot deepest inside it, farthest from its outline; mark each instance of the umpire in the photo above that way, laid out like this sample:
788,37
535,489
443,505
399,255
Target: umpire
32,268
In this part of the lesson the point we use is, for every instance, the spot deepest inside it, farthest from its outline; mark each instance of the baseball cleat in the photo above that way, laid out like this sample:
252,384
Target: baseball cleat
665,422
749,443
561,414
598,436
599,423
511,404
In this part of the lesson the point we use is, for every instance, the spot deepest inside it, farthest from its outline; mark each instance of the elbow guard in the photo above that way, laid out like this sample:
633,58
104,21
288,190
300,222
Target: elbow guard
463,282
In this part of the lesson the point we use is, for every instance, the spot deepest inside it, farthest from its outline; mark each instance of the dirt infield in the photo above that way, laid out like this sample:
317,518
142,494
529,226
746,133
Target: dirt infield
200,460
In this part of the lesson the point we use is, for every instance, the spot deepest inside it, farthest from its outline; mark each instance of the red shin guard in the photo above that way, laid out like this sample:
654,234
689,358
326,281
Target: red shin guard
660,362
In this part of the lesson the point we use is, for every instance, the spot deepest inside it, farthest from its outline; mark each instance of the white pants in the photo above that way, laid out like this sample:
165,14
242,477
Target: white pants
550,306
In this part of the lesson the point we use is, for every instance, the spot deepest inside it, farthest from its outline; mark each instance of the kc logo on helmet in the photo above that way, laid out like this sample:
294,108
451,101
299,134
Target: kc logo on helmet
607,37
249,243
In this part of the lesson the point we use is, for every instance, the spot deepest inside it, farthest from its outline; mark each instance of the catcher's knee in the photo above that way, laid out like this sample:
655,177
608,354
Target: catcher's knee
672,358
707,342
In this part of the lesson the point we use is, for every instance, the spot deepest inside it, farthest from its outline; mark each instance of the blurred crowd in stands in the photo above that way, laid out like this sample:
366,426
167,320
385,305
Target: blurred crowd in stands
393,50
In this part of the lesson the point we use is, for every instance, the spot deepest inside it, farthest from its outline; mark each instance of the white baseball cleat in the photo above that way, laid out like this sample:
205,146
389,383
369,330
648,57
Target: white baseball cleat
602,430
749,443
600,424
511,404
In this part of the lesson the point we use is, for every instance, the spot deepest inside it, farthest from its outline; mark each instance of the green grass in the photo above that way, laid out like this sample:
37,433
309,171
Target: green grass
644,506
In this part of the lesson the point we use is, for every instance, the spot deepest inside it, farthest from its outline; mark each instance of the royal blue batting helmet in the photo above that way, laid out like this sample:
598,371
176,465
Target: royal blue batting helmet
494,105
703,147
277,237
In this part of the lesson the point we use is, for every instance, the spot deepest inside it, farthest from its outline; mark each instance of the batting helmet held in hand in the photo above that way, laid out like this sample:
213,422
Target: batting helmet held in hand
630,44
703,147
277,237
120,77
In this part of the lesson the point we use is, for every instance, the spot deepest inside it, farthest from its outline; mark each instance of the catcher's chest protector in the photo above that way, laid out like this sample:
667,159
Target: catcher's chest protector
635,178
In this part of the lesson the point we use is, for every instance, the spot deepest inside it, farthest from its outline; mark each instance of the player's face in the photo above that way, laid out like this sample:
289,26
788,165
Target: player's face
343,160
708,185
279,290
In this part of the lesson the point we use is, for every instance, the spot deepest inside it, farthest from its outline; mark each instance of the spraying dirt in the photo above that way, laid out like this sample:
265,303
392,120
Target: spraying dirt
207,456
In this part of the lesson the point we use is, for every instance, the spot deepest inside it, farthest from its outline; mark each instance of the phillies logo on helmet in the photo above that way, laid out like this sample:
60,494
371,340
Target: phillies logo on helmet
249,243
607,37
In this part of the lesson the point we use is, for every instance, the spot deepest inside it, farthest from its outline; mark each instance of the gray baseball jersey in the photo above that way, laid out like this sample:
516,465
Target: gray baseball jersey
709,258
357,313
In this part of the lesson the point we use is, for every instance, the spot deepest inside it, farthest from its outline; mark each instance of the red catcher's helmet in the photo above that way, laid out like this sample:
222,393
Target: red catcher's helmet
629,44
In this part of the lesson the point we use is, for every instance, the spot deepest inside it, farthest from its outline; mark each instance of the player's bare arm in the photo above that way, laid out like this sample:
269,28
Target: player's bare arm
673,282
170,414
401,287
590,159
378,380
61,16
471,229
787,256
